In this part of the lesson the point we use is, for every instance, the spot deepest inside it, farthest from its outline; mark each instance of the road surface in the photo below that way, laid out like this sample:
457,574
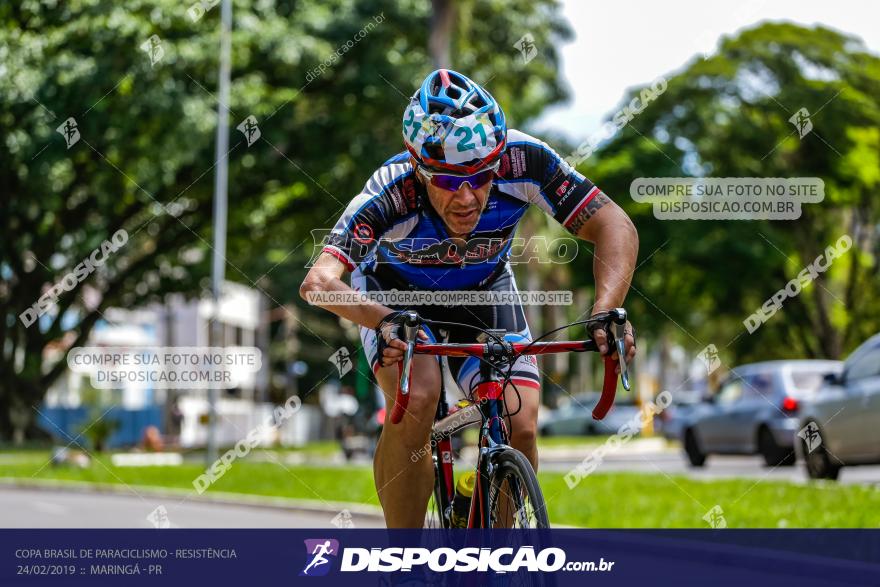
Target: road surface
717,467
50,508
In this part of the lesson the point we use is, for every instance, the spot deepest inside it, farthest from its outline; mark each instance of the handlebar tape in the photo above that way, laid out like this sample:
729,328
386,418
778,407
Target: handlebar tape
401,401
609,389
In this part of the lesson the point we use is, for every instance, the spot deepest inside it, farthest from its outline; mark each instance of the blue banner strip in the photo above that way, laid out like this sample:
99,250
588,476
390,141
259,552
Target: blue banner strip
744,558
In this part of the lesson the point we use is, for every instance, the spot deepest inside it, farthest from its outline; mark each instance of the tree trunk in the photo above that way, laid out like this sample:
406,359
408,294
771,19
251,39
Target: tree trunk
440,38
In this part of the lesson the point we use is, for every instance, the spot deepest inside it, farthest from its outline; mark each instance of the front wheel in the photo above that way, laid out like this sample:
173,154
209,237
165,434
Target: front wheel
515,498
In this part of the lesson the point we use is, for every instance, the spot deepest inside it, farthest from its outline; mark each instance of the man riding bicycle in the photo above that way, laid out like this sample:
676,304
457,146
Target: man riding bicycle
442,216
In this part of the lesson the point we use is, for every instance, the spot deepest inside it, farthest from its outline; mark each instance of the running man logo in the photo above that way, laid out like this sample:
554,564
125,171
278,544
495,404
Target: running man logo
250,129
318,550
801,121
69,131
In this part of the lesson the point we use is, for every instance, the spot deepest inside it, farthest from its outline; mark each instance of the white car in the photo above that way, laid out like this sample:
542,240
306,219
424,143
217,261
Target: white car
841,427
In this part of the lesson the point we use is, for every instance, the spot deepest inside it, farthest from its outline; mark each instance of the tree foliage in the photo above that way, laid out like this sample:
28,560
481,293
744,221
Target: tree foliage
728,116
326,82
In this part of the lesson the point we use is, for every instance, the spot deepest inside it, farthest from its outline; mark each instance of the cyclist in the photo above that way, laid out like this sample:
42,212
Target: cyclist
441,216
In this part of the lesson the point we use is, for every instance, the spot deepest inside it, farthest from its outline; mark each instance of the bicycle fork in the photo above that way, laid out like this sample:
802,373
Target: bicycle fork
493,438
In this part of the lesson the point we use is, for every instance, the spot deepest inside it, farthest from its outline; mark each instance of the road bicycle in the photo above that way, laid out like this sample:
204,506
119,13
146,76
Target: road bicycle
506,492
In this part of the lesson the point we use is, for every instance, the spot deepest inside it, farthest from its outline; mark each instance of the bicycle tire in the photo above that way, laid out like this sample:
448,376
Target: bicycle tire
510,464
434,518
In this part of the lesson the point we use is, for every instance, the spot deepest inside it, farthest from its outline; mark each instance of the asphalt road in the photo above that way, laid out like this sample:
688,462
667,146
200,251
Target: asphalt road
716,467
44,508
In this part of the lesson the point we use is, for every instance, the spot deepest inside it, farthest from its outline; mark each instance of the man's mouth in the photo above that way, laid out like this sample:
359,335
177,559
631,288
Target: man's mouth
465,216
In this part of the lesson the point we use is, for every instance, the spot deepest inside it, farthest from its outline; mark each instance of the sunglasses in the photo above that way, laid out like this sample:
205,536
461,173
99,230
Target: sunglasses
452,182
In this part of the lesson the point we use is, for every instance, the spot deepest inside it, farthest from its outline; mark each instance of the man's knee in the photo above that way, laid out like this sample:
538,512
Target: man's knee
424,389
524,433
424,393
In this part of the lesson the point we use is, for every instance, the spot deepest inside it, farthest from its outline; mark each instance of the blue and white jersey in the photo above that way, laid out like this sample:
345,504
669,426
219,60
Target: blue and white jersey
392,227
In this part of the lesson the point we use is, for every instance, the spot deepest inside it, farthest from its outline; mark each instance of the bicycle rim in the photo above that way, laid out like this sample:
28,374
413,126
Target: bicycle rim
515,498
434,517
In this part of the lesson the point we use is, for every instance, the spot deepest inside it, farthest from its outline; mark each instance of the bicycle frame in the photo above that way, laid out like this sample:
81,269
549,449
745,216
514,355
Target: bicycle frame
489,397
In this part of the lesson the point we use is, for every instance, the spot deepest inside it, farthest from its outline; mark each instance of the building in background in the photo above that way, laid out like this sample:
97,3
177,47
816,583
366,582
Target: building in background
180,415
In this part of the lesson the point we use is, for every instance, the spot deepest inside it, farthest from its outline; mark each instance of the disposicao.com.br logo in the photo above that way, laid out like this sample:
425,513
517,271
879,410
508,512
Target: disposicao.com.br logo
391,559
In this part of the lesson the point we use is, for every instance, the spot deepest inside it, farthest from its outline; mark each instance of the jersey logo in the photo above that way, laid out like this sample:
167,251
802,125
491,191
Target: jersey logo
518,162
363,233
504,166
561,189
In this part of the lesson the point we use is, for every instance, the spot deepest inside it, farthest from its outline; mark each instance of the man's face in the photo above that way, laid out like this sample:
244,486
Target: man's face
461,209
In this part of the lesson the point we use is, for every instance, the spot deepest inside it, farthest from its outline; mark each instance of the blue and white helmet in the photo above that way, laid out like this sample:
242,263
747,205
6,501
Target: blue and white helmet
453,124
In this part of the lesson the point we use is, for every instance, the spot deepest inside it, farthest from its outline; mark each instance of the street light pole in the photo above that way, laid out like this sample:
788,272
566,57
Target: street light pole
220,193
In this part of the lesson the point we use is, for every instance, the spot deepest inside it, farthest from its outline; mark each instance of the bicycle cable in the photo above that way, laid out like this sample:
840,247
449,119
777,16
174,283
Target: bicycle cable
462,325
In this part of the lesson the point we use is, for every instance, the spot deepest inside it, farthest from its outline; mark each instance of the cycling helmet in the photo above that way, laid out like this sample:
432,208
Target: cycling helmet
452,124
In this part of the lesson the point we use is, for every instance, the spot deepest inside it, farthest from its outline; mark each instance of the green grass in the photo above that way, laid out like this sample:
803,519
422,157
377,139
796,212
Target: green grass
612,500
570,441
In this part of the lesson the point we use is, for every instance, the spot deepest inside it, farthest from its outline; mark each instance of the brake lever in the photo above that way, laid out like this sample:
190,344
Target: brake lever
410,332
621,354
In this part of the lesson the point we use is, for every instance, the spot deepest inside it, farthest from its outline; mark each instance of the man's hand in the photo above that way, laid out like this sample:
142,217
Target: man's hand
629,341
393,349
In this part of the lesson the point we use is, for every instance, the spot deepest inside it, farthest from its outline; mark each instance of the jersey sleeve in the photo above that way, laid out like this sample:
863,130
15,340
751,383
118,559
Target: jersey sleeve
388,196
552,184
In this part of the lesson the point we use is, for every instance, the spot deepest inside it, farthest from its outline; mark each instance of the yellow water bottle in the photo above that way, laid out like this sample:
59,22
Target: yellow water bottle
461,503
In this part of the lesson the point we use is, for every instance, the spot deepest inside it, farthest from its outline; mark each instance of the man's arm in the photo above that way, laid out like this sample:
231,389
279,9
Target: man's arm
605,224
325,277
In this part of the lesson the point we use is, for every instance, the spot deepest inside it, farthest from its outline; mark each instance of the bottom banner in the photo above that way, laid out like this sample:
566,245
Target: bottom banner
410,557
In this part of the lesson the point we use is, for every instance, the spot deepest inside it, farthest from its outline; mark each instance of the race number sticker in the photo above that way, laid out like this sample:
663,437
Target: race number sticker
463,139
419,128
469,138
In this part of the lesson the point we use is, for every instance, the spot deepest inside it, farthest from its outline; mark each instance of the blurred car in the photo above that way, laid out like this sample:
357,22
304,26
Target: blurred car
672,419
575,418
756,411
841,426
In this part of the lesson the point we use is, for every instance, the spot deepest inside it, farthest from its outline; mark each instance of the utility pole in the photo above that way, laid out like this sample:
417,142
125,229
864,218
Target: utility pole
220,196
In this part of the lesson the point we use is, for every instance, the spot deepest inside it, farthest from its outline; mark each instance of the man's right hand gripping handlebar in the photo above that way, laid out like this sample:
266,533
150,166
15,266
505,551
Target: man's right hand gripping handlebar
402,326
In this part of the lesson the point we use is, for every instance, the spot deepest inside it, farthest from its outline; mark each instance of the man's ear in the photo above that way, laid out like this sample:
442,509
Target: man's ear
418,176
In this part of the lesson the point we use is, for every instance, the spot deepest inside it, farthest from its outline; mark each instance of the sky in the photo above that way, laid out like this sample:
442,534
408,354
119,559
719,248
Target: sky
624,44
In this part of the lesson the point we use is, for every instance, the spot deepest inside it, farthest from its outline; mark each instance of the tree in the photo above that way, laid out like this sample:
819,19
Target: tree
325,82
728,116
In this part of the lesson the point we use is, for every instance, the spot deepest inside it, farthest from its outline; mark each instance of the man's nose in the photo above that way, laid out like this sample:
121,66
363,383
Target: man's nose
465,195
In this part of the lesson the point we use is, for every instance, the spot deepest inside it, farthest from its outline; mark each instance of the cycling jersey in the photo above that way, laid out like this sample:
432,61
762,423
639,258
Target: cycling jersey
391,228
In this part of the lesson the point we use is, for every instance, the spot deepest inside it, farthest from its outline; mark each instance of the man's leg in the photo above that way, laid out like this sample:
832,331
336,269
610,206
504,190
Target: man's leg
402,467
523,427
